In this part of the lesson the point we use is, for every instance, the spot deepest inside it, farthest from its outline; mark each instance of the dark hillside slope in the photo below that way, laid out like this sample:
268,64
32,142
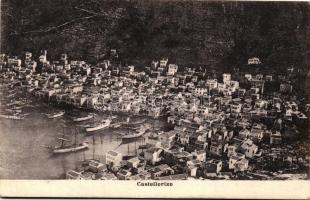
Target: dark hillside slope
217,34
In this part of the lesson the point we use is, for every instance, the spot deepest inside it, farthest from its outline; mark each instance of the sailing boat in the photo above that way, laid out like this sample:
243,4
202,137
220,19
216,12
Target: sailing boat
68,148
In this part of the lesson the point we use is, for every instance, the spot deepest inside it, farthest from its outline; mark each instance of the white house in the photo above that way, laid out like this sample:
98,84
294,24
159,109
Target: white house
172,69
114,158
254,61
226,78
43,57
153,155
163,63
211,83
249,148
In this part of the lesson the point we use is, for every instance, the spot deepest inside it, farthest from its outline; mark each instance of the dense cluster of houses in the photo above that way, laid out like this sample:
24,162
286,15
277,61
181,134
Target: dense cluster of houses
224,126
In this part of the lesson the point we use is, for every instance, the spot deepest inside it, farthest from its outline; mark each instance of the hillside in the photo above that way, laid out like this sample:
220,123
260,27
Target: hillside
214,34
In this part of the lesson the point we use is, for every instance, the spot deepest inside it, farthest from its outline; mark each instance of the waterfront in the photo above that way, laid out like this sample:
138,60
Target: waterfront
22,155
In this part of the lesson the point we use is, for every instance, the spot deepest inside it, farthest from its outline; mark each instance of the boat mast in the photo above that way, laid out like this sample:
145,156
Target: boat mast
75,137
128,149
63,133
84,158
136,147
93,147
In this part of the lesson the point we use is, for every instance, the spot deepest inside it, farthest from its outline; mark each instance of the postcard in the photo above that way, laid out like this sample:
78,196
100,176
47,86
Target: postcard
155,99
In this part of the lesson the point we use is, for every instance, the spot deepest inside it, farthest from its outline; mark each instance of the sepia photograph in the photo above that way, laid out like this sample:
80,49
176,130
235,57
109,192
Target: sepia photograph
150,92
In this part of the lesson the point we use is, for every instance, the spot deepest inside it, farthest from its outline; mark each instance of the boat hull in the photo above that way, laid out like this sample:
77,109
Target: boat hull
72,149
99,127
51,116
82,118
132,136
12,117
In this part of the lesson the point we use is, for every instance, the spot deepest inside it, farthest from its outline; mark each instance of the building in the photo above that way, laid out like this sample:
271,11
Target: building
75,175
226,78
256,134
96,166
43,57
238,162
235,107
133,162
154,65
276,138
213,166
254,61
28,56
163,63
216,149
14,62
249,148
248,76
123,174
286,88
200,155
113,158
232,149
211,83
161,170
172,69
153,155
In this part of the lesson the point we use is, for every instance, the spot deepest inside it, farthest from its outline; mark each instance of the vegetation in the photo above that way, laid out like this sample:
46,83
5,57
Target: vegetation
212,34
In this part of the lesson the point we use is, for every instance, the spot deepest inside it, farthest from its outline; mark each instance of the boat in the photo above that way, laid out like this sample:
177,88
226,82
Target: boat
67,149
135,135
80,119
55,114
13,110
12,116
104,124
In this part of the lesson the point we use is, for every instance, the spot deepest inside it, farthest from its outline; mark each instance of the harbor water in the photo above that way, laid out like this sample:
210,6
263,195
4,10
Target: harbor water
23,152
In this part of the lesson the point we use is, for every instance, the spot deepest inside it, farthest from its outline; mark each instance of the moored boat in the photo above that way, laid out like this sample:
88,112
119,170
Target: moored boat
67,149
79,119
12,116
55,114
104,124
134,135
